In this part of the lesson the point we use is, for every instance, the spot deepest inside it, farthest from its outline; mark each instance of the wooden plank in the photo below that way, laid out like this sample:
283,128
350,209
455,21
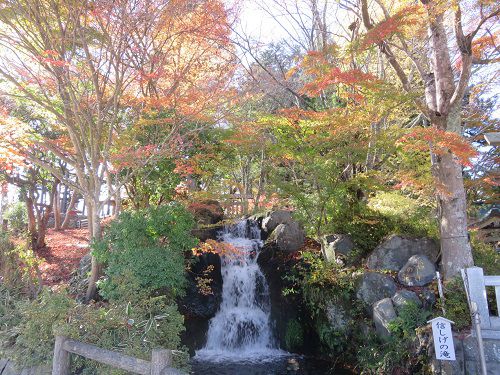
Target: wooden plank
61,358
160,360
108,357
474,280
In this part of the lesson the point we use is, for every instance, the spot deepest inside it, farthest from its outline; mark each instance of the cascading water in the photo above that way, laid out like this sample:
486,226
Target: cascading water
241,329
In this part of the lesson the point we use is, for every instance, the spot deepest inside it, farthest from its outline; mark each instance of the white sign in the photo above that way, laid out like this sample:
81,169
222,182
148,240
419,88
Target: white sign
443,339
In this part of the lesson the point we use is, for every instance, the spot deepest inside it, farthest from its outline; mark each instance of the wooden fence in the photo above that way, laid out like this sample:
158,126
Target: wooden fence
161,359
476,283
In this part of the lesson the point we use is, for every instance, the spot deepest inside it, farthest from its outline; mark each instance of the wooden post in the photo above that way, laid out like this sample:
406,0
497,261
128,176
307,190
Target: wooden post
61,360
160,360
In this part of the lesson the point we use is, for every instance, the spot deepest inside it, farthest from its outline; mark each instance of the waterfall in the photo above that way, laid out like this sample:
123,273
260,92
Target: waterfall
241,329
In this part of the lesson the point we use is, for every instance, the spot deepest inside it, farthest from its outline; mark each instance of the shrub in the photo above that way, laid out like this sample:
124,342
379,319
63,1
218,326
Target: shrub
27,336
486,257
456,306
17,216
143,252
294,335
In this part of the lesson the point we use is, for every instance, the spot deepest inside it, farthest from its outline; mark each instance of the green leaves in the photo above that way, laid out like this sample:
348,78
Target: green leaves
144,252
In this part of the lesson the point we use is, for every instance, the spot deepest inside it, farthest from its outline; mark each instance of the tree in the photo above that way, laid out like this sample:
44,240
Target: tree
89,65
439,90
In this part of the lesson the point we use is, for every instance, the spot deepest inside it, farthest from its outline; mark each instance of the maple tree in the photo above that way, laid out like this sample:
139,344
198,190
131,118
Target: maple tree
439,91
92,67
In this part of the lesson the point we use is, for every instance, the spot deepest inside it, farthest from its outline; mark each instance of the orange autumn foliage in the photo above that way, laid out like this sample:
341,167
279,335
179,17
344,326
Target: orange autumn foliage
439,142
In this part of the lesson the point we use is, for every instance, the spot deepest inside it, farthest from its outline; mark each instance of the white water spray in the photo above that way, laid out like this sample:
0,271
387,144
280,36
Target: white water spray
241,329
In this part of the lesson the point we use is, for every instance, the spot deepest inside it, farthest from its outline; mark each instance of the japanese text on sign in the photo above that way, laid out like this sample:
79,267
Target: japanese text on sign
443,339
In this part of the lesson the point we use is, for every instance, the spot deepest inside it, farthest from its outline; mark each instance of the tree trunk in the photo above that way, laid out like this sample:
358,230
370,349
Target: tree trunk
95,234
455,246
71,206
57,207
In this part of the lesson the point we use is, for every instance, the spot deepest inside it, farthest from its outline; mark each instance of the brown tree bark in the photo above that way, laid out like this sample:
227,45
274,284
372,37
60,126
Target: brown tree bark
71,207
56,207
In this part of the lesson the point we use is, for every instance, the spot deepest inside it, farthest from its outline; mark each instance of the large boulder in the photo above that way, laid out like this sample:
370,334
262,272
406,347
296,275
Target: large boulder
374,287
394,252
418,271
333,245
207,211
275,218
199,306
338,317
383,314
403,297
287,237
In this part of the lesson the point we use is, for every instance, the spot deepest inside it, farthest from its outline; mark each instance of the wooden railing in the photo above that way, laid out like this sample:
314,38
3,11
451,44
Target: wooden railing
161,359
476,283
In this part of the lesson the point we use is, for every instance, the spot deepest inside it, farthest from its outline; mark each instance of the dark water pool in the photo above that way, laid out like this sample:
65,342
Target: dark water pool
279,366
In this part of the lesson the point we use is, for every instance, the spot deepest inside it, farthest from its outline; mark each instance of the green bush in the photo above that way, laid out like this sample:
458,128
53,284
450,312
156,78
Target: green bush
294,335
27,334
456,305
17,216
486,257
143,252
395,354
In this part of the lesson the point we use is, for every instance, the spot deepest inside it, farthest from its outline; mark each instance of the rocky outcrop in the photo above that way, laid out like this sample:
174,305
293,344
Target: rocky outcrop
393,253
383,314
286,237
275,218
199,307
334,245
207,211
338,317
374,287
209,232
418,271
403,297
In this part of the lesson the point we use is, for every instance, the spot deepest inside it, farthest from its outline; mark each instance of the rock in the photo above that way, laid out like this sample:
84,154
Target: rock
207,233
259,218
393,253
374,287
196,307
383,314
418,271
333,245
287,237
275,218
194,303
403,297
429,299
491,350
337,317
207,211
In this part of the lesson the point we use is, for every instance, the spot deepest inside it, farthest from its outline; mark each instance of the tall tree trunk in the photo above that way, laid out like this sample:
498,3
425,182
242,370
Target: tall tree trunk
71,207
95,234
43,219
30,208
57,207
455,246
